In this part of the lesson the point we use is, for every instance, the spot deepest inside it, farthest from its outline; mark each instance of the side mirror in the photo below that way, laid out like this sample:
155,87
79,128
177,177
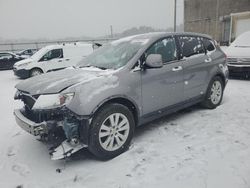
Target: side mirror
154,61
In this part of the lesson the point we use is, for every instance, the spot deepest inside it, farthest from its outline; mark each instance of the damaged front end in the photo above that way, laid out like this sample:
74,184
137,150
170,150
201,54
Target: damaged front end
47,117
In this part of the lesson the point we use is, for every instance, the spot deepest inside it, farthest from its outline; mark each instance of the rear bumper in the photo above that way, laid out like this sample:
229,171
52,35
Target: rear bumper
22,73
29,126
238,69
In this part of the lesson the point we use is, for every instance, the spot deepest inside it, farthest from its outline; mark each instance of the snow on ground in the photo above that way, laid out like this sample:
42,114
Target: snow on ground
194,148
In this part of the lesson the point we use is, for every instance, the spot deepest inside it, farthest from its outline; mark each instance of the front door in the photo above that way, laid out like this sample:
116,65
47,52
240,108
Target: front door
52,60
162,87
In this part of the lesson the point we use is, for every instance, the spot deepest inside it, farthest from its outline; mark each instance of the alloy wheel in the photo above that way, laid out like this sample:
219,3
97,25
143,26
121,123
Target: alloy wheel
216,92
114,132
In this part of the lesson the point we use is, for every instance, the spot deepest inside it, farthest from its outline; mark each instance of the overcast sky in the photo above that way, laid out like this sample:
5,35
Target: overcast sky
74,18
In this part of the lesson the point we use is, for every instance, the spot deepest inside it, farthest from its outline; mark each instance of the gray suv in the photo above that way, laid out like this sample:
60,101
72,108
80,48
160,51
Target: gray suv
123,84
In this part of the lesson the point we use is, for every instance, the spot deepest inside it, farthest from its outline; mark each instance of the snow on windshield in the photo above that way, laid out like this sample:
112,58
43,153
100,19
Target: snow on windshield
114,55
243,40
39,53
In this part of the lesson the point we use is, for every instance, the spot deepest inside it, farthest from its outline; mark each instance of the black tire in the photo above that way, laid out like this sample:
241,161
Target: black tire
100,118
35,72
208,102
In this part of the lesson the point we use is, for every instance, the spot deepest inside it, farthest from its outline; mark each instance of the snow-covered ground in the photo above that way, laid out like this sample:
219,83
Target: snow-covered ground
194,148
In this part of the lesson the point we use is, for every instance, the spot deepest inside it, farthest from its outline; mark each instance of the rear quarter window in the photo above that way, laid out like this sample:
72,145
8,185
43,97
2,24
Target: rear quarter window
208,44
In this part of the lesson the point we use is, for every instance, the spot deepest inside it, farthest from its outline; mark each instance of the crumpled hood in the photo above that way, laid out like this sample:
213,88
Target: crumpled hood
55,82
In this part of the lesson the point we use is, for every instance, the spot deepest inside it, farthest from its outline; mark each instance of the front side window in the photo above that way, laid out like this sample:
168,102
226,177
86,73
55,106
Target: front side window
53,54
191,46
26,52
166,48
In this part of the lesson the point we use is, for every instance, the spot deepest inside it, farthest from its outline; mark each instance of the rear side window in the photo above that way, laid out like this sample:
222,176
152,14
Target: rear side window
208,44
191,46
166,48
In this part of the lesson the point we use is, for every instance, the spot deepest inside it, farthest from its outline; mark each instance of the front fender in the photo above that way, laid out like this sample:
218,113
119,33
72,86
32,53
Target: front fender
90,96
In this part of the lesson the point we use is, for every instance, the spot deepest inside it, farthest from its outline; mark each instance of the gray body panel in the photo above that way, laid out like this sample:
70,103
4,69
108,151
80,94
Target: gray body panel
150,90
89,96
161,87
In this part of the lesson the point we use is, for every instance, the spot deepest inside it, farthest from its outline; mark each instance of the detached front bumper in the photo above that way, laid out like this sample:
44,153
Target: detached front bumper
29,126
64,149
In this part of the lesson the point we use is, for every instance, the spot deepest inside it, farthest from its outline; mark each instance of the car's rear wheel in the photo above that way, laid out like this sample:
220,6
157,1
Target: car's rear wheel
111,132
35,72
214,93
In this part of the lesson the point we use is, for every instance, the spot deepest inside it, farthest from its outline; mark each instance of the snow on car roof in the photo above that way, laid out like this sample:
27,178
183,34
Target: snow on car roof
243,40
68,45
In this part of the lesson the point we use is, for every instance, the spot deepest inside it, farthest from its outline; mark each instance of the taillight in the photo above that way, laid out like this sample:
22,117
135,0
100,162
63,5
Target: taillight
225,56
216,43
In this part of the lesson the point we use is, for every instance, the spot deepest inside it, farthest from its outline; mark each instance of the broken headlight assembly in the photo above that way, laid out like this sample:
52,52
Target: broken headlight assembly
51,101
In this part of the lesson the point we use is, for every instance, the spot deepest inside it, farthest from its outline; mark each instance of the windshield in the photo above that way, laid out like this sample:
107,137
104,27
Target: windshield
39,53
113,55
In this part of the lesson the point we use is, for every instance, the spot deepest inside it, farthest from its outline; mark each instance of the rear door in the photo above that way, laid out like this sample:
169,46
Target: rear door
162,87
195,61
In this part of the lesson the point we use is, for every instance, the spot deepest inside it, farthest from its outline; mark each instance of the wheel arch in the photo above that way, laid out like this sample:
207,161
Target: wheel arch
36,68
123,101
222,78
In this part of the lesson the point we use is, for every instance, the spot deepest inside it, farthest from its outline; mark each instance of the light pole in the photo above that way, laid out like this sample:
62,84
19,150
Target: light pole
217,19
111,31
175,15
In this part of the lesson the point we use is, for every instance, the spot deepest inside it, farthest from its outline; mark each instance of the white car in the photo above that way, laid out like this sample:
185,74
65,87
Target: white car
52,58
238,54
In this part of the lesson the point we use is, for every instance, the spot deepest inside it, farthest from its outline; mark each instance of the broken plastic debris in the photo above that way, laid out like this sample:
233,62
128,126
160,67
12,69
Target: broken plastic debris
65,150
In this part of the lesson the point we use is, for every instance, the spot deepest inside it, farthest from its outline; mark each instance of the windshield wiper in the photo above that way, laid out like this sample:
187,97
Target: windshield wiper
99,67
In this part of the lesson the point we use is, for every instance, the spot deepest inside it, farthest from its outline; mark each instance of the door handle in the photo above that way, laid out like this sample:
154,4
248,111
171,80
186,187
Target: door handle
175,69
67,59
59,60
208,60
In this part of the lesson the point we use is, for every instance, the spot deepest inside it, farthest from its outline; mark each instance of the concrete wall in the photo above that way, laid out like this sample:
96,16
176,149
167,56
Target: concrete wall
211,16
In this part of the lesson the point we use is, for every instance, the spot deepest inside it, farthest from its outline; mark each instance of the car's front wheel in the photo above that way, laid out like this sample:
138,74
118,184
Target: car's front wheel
111,132
35,72
214,93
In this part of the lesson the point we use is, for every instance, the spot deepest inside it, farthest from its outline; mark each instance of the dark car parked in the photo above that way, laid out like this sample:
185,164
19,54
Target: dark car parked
8,59
27,53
